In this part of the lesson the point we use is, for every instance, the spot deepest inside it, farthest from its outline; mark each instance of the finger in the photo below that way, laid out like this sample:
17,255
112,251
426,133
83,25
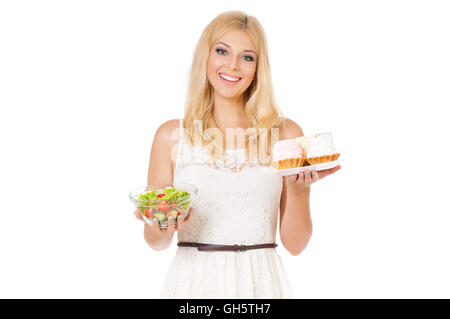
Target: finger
170,225
179,222
187,217
329,171
315,176
138,215
308,179
333,169
182,218
155,226
301,178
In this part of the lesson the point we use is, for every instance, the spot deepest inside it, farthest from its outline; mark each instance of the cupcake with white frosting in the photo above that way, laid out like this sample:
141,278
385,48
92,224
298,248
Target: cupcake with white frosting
319,148
287,154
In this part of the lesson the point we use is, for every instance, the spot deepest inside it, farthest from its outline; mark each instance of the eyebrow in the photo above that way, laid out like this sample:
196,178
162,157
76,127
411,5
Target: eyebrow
229,47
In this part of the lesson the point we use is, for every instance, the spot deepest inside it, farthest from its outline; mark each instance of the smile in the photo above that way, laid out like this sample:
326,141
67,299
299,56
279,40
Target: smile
229,79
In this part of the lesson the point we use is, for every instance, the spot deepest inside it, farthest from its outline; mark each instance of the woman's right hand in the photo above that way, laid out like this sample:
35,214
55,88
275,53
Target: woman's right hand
171,225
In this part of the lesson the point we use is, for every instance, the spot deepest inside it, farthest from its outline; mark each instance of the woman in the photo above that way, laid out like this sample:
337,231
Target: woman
227,242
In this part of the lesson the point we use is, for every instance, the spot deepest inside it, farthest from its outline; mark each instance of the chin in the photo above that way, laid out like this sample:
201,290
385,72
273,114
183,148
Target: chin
229,96
230,93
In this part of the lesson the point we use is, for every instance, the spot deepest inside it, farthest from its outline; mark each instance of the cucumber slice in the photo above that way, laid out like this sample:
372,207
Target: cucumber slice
160,216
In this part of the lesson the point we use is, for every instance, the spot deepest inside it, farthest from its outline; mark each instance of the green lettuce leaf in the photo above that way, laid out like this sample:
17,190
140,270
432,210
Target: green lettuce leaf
148,199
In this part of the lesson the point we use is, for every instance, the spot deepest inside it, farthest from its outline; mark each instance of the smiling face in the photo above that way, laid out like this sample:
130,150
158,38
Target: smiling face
232,56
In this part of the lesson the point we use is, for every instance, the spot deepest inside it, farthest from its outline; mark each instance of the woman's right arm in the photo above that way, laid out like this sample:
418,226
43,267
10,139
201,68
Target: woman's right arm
160,175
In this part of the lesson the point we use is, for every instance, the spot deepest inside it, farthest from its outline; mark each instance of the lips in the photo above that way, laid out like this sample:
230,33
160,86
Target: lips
230,75
229,82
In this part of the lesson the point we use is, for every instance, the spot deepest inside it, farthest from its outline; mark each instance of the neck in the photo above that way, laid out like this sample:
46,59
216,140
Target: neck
229,112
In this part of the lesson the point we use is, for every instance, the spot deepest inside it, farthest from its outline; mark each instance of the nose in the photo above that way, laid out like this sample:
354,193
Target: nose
235,63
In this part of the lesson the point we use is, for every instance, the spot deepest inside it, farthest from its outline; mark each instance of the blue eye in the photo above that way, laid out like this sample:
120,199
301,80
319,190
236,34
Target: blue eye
217,50
246,56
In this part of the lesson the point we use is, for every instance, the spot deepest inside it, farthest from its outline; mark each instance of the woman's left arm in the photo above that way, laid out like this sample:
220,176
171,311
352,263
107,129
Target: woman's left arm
295,215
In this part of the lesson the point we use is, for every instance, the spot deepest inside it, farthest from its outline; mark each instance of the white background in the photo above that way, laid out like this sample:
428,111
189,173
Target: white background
85,84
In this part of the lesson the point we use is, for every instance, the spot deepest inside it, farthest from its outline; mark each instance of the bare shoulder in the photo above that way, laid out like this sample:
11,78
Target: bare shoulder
289,129
166,130
167,137
162,156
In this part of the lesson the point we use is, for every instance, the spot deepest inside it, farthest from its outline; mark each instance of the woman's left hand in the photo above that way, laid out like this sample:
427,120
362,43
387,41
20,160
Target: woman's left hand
303,180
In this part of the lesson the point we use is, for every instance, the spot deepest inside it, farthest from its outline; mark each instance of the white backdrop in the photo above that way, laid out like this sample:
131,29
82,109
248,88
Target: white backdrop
85,84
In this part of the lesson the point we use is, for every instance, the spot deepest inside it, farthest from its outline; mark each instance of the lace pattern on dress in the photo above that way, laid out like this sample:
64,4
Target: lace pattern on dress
232,161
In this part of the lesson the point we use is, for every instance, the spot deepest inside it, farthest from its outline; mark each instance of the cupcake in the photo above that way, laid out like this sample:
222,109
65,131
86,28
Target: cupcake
287,154
319,148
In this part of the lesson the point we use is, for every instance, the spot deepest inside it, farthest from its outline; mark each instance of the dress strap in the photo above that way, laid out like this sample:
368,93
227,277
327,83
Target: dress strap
180,145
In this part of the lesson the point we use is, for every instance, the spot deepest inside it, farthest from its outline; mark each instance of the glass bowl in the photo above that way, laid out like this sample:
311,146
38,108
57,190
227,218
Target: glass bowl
161,202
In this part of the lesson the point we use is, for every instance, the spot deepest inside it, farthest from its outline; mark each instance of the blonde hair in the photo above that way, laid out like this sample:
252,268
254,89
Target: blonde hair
260,107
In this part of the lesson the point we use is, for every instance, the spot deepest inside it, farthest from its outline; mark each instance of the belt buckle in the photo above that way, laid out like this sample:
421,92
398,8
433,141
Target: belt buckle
240,247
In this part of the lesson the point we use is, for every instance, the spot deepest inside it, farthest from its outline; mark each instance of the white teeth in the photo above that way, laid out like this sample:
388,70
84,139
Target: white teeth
228,77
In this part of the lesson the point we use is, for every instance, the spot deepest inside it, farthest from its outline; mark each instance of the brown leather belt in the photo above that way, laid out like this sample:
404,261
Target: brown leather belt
211,247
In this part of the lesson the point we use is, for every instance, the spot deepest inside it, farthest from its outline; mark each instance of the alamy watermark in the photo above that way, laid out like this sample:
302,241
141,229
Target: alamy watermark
215,140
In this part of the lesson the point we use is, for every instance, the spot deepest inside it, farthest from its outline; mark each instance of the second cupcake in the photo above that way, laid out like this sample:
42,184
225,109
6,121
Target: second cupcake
318,148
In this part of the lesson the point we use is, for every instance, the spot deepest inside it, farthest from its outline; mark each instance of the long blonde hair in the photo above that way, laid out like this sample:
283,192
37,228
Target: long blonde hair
260,107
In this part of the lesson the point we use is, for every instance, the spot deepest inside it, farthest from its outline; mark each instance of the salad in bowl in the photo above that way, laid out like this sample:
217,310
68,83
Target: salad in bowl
163,202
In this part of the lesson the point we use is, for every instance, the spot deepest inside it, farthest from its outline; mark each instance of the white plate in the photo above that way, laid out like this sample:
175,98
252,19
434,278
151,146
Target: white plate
317,167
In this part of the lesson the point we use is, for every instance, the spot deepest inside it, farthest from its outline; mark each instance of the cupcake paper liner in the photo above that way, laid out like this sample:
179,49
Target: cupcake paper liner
289,163
322,159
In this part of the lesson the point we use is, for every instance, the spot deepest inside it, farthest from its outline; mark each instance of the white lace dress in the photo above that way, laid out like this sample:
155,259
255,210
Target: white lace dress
237,203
